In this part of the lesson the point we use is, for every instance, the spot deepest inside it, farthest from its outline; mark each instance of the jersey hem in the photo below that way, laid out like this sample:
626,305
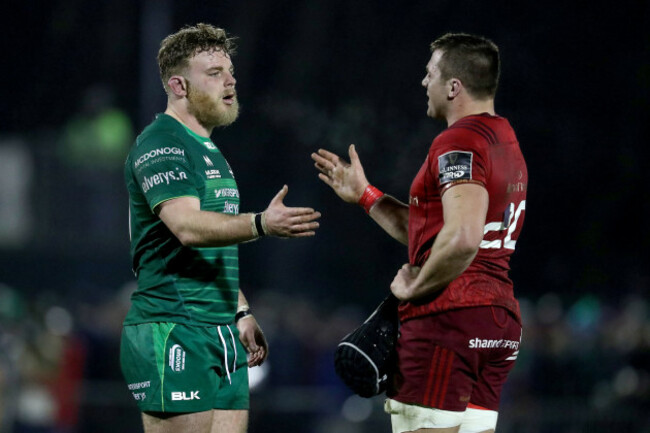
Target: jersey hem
452,184
189,408
408,312
178,322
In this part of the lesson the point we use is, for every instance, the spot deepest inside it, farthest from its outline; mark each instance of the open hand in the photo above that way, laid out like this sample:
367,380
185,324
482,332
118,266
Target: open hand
348,180
289,222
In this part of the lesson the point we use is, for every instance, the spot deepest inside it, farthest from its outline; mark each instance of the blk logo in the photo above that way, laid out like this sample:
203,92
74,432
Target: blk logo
193,395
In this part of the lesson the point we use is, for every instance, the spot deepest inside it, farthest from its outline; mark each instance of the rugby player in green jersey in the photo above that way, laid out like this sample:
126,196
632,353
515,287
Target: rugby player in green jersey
185,337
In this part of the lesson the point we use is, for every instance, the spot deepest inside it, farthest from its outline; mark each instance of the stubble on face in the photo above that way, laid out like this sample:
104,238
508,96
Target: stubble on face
209,111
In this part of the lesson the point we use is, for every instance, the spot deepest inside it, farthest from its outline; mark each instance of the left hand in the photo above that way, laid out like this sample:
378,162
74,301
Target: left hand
252,337
402,285
289,222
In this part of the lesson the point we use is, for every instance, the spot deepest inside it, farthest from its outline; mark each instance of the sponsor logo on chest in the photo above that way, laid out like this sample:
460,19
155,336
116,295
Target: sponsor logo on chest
213,174
226,192
163,177
232,208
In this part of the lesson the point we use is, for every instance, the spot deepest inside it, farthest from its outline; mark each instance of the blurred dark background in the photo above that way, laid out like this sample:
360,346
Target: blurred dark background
80,80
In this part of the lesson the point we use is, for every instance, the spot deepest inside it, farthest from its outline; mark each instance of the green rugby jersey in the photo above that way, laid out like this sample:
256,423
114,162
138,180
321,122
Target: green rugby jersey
196,286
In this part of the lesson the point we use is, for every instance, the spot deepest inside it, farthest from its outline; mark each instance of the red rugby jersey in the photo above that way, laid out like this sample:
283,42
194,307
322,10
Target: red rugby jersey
484,149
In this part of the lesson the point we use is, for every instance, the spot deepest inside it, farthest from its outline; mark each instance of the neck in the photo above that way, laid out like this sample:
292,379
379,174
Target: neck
183,116
469,107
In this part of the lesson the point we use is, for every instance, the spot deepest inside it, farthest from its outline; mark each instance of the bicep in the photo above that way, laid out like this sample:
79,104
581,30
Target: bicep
465,208
175,211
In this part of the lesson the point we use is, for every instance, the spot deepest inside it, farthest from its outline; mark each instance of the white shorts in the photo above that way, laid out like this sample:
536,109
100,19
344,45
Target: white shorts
409,417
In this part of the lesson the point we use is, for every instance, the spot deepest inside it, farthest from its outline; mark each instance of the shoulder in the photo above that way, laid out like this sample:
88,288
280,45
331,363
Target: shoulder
158,146
476,133
163,130
477,129
163,136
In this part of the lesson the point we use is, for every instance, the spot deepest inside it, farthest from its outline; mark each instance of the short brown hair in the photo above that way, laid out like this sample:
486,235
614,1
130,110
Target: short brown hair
472,59
178,48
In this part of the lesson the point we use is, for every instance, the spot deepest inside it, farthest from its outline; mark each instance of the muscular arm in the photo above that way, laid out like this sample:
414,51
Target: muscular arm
349,181
196,228
393,216
464,209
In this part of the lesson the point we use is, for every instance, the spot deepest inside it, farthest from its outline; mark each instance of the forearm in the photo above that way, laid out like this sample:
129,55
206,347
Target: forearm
450,256
455,246
212,229
242,302
393,216
197,228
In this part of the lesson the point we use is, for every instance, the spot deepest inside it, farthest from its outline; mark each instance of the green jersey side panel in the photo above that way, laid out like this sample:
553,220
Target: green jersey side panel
196,286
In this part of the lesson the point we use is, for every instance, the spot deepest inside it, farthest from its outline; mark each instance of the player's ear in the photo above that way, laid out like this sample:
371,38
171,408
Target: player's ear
177,85
454,88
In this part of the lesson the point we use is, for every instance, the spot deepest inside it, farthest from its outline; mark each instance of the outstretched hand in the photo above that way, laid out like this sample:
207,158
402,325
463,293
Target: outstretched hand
252,337
289,222
348,180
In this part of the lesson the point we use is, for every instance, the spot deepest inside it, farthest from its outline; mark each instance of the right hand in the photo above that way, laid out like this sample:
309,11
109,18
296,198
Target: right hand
348,180
289,222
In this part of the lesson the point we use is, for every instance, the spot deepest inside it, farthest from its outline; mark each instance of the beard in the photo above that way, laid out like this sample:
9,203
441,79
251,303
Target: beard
208,112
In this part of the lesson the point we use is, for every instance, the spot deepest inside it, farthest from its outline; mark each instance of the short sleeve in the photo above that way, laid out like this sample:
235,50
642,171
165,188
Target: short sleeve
162,169
457,156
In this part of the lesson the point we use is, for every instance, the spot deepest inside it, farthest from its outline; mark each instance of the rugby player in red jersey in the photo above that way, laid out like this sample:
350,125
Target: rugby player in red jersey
460,325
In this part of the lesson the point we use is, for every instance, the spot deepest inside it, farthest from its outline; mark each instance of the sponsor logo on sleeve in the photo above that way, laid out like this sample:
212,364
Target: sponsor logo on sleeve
208,161
158,155
456,165
162,178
